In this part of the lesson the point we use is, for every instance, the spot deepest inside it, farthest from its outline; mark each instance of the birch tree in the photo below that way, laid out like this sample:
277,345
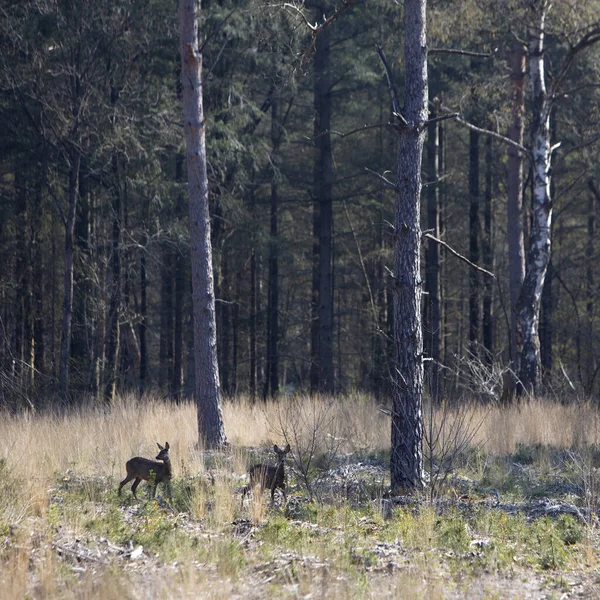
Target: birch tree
211,431
540,238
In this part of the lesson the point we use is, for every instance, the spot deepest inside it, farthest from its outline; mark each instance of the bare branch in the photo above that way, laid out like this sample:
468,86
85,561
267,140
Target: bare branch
384,179
391,86
328,21
357,130
458,255
459,52
442,118
493,134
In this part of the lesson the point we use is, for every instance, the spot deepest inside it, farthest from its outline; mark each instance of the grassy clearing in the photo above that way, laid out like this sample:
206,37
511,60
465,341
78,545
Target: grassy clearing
517,516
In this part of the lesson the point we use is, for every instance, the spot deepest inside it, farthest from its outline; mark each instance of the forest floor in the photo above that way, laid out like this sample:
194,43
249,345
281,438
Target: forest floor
522,524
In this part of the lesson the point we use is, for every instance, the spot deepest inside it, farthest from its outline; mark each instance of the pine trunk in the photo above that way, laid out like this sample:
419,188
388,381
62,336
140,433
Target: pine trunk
516,242
323,197
211,431
67,305
406,463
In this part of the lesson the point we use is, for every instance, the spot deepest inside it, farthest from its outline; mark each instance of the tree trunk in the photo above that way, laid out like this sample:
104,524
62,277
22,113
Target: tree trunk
514,205
165,370
113,329
180,291
433,324
252,308
406,463
323,185
488,257
224,318
528,305
143,317
474,243
67,305
272,374
39,267
211,431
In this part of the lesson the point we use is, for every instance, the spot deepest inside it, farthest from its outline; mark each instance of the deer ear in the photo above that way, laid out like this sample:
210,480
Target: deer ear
159,446
287,448
167,445
276,449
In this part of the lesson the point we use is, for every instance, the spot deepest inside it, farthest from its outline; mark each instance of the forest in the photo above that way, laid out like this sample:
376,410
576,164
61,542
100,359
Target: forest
301,146
398,203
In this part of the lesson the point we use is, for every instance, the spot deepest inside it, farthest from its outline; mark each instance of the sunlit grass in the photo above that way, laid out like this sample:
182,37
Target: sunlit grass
60,473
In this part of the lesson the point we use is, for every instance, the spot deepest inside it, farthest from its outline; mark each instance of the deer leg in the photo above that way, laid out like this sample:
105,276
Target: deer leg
126,480
134,486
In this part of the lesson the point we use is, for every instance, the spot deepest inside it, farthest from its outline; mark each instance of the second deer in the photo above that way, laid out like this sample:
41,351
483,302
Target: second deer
139,468
269,477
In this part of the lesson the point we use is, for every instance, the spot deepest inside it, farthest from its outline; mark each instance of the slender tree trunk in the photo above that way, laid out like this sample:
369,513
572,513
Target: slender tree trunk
514,206
406,463
39,262
224,319
323,185
272,375
433,324
113,329
252,308
590,252
143,317
528,305
21,276
474,242
211,431
165,372
488,256
67,305
181,284
235,333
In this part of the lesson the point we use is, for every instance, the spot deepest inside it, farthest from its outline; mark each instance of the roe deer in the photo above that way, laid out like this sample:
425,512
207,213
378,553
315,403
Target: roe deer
268,476
139,468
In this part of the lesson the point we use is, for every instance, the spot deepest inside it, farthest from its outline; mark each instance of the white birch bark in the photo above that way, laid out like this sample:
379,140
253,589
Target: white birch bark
528,305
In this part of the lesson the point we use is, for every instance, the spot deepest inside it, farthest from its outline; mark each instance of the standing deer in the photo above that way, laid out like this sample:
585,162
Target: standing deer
139,468
268,476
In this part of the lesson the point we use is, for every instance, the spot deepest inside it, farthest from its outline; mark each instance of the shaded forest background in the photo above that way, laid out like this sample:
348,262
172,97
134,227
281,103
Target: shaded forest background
92,170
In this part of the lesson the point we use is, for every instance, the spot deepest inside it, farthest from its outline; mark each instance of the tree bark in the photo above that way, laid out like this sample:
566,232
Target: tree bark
165,369
488,257
514,205
67,304
211,431
113,333
272,374
406,463
433,323
181,284
474,242
252,350
528,304
323,185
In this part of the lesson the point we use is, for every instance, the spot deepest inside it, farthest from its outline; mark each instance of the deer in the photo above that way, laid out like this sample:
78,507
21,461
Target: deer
269,476
139,468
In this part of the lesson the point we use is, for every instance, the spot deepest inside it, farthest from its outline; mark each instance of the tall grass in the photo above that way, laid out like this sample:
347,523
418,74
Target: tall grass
96,442
93,441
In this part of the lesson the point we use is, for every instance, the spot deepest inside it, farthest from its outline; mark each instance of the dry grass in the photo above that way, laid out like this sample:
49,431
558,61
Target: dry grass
98,442
37,451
